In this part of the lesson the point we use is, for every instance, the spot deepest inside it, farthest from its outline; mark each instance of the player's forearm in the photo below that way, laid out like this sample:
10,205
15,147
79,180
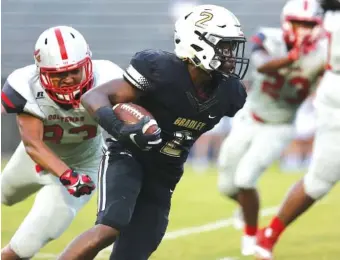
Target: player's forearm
93,100
101,110
42,155
274,65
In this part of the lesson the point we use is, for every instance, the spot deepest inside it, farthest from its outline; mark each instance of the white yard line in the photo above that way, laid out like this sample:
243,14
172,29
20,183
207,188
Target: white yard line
172,235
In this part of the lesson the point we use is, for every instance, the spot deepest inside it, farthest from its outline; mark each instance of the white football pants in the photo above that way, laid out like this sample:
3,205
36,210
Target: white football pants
54,208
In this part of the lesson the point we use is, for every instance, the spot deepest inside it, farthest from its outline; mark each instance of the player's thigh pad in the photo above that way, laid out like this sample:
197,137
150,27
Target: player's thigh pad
149,221
324,170
231,153
119,182
19,178
53,211
266,146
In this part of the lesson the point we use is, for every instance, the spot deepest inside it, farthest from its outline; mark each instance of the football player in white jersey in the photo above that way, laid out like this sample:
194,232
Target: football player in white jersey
287,63
61,144
324,171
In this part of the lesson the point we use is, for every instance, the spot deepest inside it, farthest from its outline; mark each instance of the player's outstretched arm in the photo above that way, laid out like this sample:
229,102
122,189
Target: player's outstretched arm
99,101
109,94
265,64
262,58
31,131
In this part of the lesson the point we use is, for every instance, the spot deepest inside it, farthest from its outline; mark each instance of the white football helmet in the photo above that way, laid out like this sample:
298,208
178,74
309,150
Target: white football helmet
211,38
300,11
59,51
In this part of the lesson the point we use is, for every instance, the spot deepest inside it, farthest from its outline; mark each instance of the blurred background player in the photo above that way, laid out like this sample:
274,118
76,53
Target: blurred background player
61,144
206,149
324,171
187,92
287,63
297,156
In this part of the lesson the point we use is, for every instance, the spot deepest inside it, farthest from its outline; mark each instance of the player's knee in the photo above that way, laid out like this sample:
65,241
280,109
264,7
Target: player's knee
245,184
26,247
226,185
63,217
102,236
26,243
5,200
247,178
315,187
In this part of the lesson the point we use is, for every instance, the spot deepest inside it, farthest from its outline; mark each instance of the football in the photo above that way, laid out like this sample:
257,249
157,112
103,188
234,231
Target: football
131,113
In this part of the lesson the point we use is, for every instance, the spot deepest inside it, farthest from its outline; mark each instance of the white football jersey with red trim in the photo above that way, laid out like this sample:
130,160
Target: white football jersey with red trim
332,26
275,97
69,133
328,94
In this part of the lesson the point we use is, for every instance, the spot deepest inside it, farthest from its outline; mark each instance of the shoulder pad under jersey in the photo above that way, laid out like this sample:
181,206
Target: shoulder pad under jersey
150,69
17,94
270,40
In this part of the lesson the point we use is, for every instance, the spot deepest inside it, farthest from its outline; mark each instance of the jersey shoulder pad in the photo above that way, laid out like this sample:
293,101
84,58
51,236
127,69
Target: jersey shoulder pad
17,94
268,39
150,69
236,95
322,48
20,80
331,21
105,70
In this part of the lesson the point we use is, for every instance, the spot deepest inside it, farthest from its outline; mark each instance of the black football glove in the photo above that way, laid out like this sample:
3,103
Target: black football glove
133,133
77,184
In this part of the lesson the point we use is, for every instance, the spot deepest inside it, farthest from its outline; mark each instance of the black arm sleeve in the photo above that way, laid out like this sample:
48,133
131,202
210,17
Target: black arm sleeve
108,120
12,101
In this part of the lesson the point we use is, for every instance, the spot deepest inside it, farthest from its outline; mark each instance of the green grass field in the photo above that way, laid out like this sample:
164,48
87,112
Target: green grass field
196,202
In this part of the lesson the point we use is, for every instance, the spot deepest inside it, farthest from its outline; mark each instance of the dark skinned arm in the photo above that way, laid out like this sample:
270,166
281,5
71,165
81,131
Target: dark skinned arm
31,131
110,93
99,101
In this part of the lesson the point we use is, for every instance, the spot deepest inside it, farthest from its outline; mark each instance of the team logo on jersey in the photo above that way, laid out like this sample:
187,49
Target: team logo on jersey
40,94
189,123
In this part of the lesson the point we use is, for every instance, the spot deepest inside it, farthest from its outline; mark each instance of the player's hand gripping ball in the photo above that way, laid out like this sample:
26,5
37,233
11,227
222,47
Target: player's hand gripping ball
139,127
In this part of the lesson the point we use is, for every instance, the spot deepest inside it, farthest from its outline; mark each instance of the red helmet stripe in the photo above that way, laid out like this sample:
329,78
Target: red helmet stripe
305,5
61,44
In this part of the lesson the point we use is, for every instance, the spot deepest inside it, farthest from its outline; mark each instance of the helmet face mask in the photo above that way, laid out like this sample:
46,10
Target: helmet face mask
64,64
211,38
228,58
66,85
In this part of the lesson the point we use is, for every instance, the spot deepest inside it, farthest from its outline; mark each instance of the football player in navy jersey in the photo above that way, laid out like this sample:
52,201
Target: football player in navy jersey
187,93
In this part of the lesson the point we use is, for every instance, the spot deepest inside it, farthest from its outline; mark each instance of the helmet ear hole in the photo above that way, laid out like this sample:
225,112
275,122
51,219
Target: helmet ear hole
72,35
45,41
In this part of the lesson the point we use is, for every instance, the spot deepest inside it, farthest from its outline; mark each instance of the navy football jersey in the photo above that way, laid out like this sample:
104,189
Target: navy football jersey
169,95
